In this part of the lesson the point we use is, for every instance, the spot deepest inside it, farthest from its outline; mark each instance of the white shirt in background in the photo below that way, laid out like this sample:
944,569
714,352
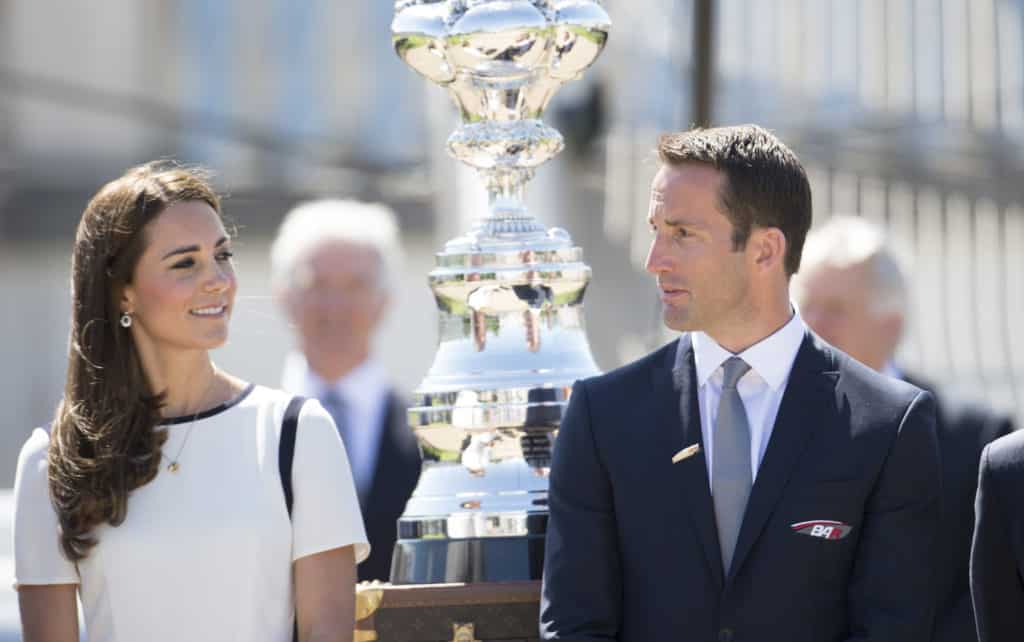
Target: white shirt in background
365,390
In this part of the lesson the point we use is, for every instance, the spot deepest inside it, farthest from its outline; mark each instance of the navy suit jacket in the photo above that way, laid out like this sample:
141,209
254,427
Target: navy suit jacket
997,554
632,550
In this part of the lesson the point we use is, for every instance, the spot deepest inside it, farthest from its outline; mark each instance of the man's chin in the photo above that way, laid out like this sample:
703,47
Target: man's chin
677,320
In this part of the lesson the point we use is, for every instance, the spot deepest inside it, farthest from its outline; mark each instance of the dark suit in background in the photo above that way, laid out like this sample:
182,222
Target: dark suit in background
632,548
997,554
394,479
963,431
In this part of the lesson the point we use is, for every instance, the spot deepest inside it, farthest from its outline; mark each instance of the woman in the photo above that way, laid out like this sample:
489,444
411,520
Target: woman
156,494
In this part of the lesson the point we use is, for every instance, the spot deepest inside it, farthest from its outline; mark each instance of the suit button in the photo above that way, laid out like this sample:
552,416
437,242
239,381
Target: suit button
725,635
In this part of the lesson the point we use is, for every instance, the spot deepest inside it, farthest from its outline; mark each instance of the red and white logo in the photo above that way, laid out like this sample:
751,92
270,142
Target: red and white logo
822,529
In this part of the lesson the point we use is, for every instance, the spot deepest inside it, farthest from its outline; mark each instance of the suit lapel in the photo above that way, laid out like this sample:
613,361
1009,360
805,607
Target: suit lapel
682,429
807,404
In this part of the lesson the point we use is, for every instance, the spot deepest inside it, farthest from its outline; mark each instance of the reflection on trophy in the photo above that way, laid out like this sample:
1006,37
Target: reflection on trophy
509,292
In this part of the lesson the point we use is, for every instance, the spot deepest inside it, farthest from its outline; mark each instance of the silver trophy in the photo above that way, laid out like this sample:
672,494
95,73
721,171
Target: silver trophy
509,292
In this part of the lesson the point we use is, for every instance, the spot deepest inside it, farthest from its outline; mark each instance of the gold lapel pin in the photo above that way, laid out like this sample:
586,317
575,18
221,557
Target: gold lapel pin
685,453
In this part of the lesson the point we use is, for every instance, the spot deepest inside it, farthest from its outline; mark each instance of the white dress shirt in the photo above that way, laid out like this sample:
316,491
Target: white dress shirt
760,389
365,392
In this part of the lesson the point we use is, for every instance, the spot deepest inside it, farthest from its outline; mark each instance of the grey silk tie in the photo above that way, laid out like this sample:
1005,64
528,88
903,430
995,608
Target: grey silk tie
731,476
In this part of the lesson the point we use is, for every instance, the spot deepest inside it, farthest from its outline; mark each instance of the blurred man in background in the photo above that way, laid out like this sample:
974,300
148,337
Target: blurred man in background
852,291
332,263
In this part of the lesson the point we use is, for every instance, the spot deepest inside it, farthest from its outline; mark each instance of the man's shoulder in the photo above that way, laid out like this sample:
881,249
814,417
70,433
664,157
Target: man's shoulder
869,401
1005,456
860,381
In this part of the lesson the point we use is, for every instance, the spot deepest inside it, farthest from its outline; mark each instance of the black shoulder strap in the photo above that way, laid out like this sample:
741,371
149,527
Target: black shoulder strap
285,456
286,450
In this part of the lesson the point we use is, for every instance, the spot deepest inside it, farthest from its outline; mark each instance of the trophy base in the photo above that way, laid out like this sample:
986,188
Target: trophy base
483,559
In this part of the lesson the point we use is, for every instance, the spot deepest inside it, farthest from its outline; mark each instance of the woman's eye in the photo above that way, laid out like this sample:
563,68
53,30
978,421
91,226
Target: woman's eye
184,263
225,256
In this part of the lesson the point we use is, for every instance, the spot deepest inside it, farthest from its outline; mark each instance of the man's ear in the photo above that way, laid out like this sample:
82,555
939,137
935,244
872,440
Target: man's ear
767,248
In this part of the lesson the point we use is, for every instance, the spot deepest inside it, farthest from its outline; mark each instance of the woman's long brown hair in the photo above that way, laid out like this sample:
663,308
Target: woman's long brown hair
105,442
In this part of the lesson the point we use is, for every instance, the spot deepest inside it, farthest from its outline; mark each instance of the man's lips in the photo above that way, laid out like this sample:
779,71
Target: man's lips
672,295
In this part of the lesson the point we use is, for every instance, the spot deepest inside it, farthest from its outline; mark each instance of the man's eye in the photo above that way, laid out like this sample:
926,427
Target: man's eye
682,232
182,264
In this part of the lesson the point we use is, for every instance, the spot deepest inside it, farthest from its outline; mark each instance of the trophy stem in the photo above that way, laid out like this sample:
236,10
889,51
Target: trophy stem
506,207
506,186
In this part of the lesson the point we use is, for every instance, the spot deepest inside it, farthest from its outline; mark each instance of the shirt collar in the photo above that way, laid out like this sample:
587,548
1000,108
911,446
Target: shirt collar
363,382
771,358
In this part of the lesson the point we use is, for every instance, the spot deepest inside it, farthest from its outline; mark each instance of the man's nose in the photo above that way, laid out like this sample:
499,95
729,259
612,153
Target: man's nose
656,259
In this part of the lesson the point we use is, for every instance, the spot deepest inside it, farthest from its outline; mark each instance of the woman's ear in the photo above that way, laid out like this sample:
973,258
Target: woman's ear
127,300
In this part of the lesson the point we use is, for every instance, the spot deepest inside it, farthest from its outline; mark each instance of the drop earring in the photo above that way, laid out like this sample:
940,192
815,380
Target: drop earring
126,320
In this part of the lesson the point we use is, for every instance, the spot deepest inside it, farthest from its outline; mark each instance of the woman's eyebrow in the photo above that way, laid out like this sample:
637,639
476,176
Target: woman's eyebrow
192,248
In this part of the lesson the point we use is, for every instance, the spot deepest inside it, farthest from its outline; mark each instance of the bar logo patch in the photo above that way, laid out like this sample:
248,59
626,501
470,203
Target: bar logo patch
822,529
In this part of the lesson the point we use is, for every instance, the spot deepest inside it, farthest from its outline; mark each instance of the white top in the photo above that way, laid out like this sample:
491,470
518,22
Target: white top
365,391
204,553
761,388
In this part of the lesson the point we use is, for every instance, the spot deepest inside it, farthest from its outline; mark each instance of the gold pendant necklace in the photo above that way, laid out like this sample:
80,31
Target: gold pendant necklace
174,466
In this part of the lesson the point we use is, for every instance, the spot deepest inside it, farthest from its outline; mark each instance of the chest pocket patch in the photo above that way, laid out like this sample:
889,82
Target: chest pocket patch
822,529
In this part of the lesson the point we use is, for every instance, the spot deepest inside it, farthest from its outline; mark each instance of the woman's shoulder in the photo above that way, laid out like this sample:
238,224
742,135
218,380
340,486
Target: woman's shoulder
35,450
32,470
264,396
274,402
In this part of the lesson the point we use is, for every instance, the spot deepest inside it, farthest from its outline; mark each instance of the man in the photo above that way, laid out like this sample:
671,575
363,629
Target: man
852,292
747,482
331,267
997,555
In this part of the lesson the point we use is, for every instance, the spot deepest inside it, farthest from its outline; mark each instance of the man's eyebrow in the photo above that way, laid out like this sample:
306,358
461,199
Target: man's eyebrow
674,222
186,249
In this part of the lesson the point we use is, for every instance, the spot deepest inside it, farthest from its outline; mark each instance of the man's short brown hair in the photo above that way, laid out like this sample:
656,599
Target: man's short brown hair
765,185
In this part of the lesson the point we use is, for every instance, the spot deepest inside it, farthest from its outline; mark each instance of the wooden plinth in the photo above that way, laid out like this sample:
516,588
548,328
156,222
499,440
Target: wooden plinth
478,612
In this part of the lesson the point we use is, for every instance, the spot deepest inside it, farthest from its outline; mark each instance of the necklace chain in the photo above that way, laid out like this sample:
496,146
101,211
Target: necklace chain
175,464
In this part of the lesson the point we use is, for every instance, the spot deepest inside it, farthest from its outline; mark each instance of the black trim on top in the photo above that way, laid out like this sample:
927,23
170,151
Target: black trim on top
170,421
